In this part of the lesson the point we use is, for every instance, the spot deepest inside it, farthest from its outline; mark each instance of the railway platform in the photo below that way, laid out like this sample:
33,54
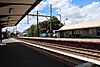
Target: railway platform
93,40
65,47
19,53
14,54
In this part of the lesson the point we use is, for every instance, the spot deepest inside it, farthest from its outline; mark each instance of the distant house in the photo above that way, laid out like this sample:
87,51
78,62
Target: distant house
84,29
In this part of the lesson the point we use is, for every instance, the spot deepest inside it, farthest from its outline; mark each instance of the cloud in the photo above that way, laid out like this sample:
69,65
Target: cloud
75,14
90,12
88,9
24,24
42,5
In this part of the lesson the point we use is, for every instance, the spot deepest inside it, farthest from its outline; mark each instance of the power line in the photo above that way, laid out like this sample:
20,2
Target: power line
57,2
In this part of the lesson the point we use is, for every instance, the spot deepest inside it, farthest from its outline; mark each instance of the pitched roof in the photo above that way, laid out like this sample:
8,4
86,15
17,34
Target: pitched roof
81,25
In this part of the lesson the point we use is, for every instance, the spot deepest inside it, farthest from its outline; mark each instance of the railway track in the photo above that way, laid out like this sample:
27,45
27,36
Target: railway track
79,51
89,53
74,50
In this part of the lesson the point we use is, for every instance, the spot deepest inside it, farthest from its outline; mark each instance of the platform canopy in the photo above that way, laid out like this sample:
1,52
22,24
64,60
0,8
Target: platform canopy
13,11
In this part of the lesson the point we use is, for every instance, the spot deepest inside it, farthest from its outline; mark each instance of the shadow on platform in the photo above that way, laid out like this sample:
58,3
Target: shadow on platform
16,55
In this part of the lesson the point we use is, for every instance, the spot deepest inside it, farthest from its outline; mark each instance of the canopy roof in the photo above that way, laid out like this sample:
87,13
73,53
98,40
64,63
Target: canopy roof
81,25
13,11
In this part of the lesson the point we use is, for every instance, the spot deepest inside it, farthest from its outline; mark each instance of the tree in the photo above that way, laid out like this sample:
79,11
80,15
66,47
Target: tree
45,25
56,24
32,30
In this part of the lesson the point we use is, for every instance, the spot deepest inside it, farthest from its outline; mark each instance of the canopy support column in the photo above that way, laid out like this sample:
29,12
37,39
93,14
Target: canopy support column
0,34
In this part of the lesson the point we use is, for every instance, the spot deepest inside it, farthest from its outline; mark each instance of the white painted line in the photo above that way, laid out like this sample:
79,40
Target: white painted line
63,53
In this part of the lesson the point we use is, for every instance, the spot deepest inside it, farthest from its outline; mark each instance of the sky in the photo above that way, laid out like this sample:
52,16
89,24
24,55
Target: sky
76,11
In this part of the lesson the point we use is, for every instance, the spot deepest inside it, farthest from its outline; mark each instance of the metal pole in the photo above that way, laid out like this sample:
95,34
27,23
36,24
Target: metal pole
37,25
27,19
0,34
60,17
50,20
16,31
64,22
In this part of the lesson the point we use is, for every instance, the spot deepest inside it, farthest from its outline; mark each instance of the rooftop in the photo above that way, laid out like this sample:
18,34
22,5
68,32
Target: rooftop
81,25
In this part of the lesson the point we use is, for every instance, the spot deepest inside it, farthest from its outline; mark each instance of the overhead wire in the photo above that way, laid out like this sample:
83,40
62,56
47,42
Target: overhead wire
46,10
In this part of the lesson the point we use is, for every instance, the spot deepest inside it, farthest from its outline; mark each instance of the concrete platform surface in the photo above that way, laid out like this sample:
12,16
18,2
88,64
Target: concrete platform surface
16,55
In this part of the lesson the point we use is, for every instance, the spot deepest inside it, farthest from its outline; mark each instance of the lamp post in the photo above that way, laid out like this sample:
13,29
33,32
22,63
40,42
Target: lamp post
64,20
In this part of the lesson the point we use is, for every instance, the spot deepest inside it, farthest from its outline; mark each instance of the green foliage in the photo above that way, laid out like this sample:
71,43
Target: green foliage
44,26
32,30
55,23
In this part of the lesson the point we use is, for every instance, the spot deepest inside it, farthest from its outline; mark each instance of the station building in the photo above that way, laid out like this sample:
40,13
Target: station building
84,29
